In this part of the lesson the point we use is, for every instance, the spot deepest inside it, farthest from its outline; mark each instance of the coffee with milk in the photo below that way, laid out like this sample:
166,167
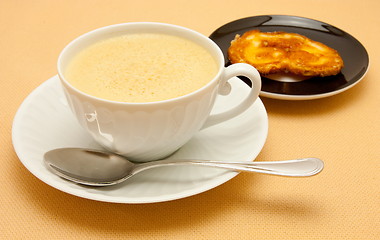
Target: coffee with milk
141,67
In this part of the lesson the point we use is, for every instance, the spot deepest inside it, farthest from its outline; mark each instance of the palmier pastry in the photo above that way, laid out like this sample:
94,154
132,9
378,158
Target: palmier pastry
281,52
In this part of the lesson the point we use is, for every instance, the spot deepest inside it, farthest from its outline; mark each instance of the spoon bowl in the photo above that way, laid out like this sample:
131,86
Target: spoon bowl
100,168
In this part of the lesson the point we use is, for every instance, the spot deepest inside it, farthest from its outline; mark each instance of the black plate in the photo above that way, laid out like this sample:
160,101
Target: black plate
353,53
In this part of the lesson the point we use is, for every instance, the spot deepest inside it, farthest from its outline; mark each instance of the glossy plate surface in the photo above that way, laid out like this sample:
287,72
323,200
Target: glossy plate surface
44,122
353,53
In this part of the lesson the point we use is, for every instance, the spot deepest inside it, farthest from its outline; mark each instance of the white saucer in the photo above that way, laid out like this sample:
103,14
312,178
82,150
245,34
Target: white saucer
44,122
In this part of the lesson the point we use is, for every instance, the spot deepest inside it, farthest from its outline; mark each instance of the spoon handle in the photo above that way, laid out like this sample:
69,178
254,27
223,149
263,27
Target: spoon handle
293,168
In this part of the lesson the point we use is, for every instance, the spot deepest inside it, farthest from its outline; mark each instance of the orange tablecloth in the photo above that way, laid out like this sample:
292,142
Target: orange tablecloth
343,202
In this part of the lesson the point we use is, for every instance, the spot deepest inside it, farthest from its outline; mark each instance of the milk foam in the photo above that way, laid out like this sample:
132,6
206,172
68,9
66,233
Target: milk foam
144,67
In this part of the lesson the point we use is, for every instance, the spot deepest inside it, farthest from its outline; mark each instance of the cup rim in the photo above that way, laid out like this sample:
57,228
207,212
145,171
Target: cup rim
216,51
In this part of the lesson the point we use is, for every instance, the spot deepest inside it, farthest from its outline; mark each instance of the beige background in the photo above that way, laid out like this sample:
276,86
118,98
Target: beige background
343,202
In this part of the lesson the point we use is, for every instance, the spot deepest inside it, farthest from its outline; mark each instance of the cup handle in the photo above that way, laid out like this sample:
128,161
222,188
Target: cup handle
237,69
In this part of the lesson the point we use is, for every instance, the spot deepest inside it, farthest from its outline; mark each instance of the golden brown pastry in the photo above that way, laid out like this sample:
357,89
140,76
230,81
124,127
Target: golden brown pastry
281,52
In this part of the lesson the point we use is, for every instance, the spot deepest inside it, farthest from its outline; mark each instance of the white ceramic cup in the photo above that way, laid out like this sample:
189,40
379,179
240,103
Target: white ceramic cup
150,131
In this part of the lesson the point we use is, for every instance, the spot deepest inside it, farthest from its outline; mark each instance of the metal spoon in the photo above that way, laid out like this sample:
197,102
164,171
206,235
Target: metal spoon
98,168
